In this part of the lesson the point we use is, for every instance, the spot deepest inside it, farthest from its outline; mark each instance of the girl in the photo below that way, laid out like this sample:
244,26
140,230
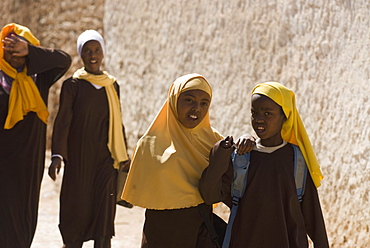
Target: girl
89,136
167,166
269,214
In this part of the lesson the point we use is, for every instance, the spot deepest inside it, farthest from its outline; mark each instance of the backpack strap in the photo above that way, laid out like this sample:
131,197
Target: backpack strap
300,172
240,165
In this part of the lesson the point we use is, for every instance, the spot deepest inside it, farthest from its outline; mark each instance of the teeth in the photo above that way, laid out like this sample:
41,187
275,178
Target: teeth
193,116
260,128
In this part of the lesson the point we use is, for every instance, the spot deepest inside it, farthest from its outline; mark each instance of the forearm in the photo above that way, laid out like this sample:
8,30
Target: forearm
42,59
313,217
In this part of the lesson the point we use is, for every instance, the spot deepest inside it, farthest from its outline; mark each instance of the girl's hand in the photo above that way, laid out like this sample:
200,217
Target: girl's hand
227,142
16,46
245,144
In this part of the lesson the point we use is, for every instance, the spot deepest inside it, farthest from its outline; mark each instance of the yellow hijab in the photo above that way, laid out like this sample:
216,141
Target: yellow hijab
293,130
24,95
116,140
169,159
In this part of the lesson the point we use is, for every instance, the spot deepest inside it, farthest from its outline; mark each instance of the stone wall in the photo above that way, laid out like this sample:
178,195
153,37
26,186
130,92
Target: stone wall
318,48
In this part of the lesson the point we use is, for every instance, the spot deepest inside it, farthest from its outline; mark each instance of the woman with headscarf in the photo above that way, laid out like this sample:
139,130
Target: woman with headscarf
89,137
269,213
27,71
167,165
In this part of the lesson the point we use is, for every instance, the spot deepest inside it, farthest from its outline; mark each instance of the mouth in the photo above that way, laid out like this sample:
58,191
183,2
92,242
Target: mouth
260,129
193,117
93,61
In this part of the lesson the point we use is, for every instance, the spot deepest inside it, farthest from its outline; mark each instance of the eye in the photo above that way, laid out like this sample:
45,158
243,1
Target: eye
204,104
188,100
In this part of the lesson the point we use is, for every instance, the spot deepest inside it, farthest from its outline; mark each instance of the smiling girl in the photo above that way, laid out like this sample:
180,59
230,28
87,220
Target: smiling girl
167,165
89,137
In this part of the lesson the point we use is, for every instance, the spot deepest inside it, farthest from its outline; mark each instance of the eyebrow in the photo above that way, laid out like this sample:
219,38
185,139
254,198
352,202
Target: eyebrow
204,99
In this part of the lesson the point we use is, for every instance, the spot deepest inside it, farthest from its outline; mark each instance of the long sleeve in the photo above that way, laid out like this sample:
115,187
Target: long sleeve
63,120
55,62
215,183
313,217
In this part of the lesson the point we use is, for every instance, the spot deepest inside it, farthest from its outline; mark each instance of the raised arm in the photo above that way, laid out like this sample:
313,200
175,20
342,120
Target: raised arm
53,61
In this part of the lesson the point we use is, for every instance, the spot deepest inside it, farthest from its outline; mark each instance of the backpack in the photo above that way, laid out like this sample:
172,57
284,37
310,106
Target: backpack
241,165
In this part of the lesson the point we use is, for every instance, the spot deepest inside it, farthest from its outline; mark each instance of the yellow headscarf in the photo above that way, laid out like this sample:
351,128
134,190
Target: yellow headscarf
116,141
24,95
293,130
170,158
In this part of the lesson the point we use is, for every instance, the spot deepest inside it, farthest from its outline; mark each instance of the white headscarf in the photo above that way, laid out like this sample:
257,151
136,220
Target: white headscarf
87,36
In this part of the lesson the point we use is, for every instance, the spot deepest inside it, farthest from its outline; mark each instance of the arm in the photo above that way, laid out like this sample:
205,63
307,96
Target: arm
215,183
54,61
313,217
61,128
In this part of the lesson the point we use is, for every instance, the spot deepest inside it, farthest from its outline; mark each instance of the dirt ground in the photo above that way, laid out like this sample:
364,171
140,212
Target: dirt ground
128,222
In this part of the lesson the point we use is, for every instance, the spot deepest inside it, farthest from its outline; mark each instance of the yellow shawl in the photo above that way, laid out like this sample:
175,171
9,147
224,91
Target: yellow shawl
116,140
169,159
293,130
24,95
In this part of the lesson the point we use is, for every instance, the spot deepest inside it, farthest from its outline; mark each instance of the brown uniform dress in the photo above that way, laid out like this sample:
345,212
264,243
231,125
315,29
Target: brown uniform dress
269,214
180,228
80,135
22,153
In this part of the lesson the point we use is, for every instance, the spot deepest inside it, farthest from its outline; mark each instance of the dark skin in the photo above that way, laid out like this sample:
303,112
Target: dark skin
15,51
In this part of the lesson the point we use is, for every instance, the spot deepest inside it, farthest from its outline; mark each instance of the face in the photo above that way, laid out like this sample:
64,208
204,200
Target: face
192,107
92,57
267,120
14,61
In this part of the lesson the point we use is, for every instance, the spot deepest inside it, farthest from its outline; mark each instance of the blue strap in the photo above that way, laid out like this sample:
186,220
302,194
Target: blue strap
300,172
240,165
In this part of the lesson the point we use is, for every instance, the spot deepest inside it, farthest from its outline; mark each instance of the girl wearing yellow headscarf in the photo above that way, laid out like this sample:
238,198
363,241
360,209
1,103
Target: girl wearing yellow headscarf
27,71
269,213
167,165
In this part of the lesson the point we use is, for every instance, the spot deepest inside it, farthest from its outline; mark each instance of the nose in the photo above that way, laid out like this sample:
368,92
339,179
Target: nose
196,106
259,119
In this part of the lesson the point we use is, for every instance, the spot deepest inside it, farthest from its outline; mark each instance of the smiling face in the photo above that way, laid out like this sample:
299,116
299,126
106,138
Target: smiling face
192,107
267,120
92,57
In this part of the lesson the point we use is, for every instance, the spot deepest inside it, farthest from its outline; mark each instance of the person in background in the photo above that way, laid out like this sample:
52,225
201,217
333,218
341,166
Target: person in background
167,164
27,71
88,136
269,213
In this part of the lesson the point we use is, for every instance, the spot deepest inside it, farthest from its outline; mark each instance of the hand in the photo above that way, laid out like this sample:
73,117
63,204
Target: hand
55,166
16,46
125,165
227,142
245,144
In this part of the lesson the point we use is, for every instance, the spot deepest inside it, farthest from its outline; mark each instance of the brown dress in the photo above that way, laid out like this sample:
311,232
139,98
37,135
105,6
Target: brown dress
180,228
22,153
80,135
269,214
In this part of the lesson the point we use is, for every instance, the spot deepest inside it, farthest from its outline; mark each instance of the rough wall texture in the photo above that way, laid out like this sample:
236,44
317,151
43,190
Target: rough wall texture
320,49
